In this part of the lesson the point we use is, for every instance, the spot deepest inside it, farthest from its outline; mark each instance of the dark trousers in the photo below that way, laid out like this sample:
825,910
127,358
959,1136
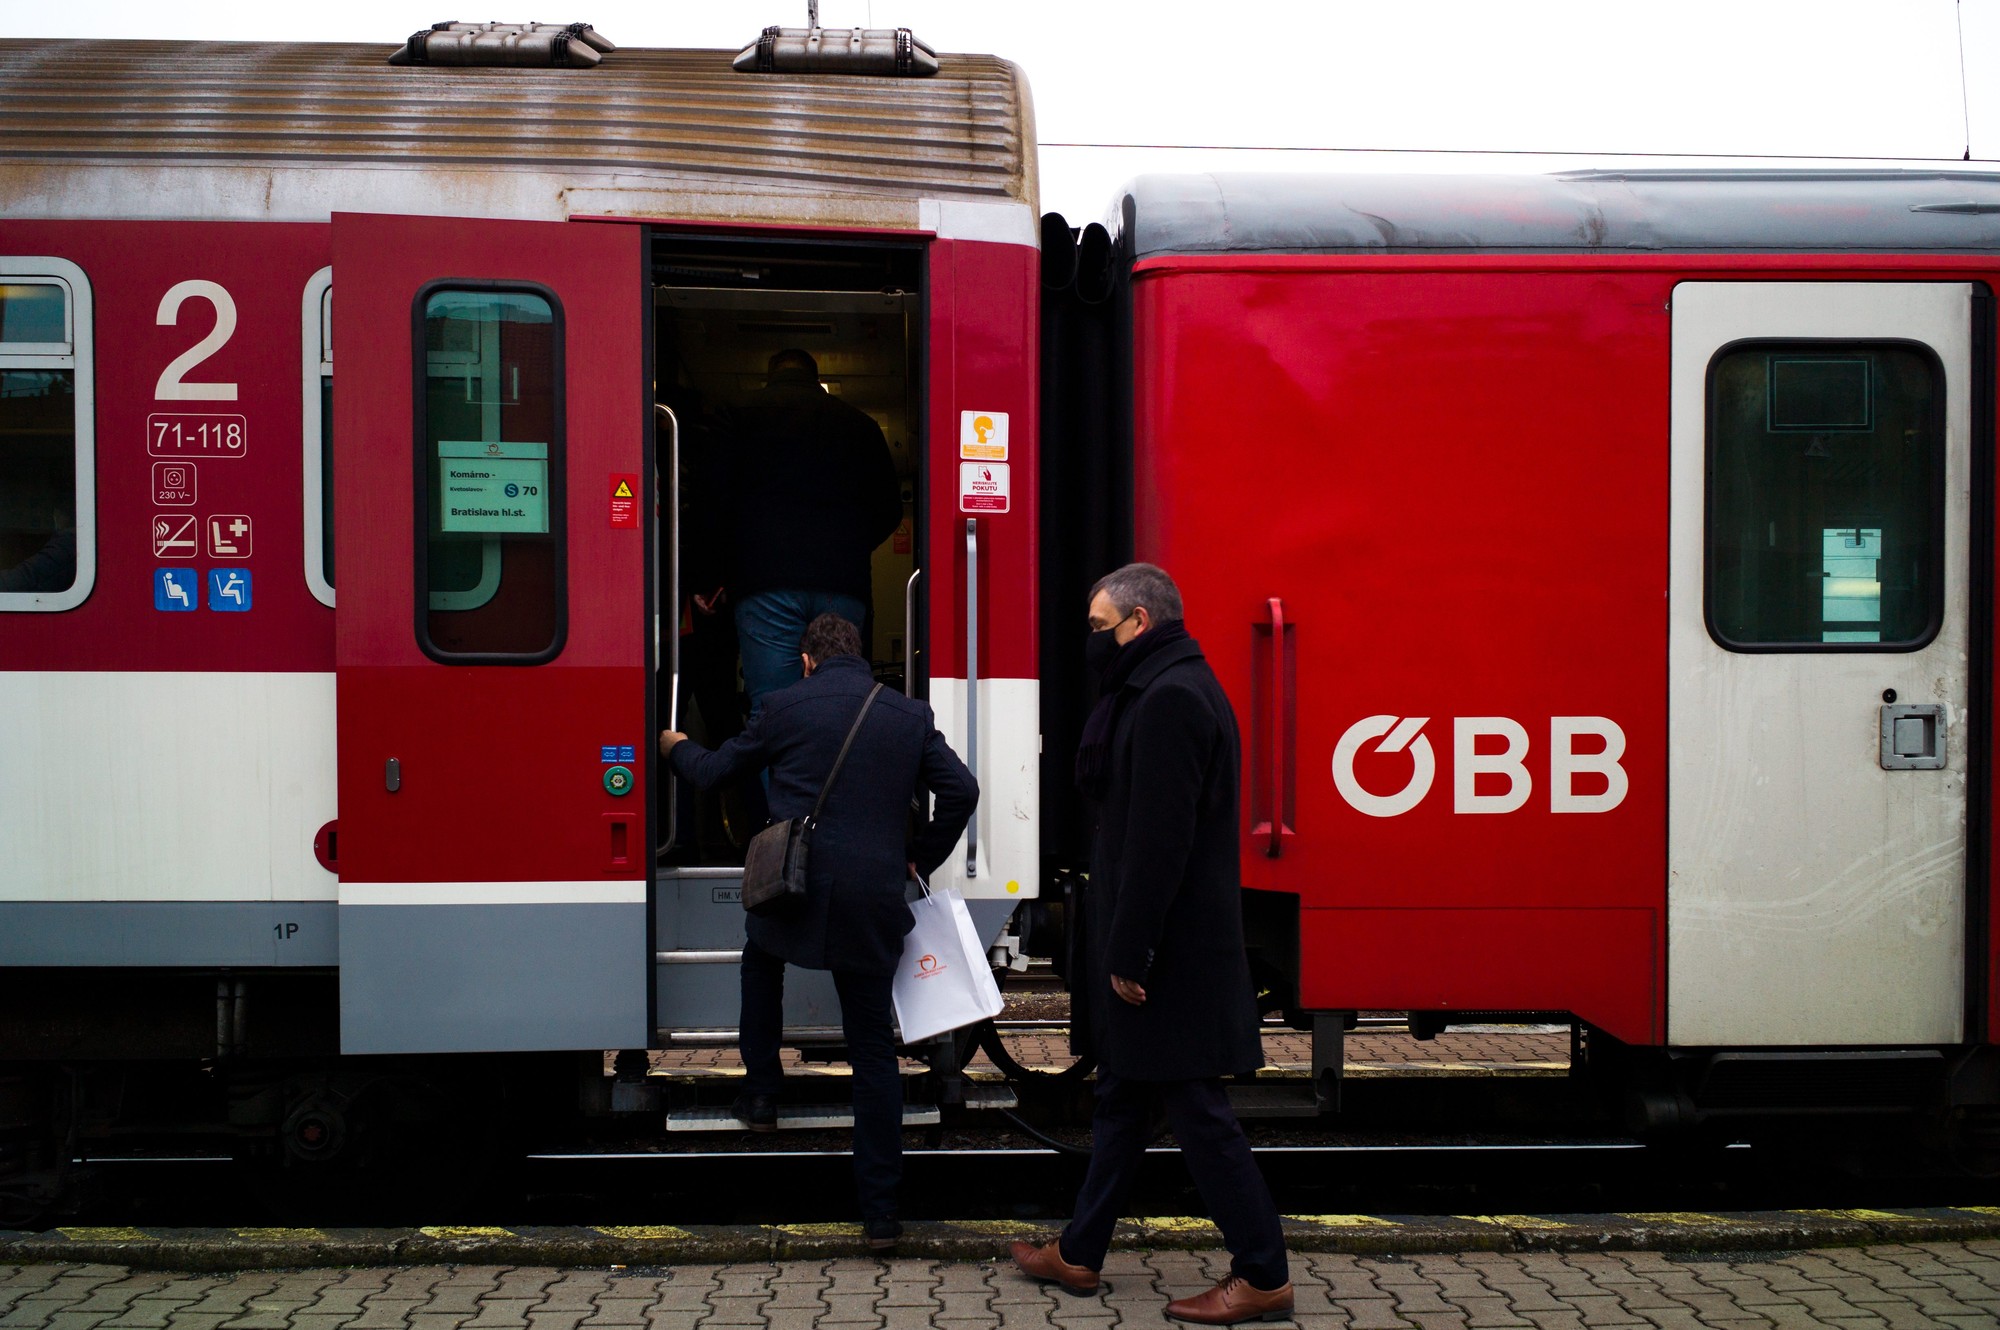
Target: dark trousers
1217,1155
867,1020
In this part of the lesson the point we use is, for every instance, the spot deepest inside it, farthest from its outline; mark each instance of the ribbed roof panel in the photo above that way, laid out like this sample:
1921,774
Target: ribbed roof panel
964,132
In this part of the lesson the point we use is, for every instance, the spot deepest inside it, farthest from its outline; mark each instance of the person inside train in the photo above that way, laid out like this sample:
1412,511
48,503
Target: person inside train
53,566
813,491
854,916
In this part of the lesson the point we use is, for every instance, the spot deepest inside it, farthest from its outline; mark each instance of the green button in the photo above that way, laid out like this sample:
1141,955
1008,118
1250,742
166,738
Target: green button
618,780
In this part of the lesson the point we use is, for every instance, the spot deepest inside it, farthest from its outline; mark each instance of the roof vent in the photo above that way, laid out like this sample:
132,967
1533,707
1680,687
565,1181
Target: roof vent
539,45
894,52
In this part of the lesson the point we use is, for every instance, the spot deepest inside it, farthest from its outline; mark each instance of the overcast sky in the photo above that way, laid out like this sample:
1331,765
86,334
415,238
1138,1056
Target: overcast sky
1868,79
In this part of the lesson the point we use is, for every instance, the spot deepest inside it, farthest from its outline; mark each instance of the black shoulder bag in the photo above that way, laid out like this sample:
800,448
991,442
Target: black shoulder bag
775,862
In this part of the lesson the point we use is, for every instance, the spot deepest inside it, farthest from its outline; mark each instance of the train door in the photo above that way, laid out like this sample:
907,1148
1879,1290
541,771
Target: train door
1821,494
721,308
491,634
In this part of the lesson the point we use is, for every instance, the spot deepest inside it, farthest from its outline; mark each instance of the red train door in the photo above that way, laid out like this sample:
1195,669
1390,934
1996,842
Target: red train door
490,399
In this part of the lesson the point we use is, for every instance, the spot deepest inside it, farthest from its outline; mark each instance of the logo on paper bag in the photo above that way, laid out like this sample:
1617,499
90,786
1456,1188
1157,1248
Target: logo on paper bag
929,967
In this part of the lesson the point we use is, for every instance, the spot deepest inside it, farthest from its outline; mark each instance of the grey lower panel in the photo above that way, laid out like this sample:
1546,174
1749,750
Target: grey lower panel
492,978
701,910
170,933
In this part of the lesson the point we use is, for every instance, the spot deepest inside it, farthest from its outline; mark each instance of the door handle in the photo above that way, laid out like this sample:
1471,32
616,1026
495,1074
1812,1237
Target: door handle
1273,730
972,685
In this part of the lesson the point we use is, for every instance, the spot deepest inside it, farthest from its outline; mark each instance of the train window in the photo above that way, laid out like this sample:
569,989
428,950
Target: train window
316,343
1825,496
490,556
48,528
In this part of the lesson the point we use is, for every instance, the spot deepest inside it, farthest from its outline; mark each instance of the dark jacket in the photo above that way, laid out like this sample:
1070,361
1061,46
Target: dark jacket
813,492
1164,904
853,917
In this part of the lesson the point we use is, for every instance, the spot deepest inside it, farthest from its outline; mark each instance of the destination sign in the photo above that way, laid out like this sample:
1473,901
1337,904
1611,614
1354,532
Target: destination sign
493,488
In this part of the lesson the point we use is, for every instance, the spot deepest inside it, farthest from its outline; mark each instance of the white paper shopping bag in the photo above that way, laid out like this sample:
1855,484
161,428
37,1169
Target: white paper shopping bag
942,981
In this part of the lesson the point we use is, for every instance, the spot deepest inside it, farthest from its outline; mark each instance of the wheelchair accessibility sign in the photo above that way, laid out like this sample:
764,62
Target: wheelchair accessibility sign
229,589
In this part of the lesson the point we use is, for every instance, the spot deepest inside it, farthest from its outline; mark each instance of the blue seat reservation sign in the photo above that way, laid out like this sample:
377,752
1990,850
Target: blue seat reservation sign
176,589
229,589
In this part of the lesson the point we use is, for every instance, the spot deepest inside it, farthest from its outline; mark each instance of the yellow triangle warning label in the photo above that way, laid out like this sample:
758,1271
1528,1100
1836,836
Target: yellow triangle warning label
624,491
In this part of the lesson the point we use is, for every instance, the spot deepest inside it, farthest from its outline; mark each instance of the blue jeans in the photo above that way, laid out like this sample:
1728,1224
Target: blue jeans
769,625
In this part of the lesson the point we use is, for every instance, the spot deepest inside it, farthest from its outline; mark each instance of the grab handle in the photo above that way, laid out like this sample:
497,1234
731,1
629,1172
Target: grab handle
972,684
910,633
662,516
1273,729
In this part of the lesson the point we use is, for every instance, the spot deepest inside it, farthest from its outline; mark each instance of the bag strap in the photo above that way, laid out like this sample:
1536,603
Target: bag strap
846,744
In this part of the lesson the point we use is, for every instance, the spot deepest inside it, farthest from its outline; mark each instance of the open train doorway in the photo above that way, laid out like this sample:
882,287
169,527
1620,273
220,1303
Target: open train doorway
722,310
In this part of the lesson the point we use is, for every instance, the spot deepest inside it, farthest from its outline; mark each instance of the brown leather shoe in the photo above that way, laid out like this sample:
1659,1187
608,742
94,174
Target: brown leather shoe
1046,1262
1234,1299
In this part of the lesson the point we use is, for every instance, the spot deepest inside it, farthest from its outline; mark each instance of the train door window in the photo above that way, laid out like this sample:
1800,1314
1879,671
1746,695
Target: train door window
48,532
490,551
1825,497
316,343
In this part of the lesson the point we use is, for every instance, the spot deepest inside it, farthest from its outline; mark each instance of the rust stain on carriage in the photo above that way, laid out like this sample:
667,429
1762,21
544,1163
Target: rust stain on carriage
650,117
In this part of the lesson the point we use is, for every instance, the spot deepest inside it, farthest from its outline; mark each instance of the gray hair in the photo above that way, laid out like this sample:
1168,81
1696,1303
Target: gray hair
1139,584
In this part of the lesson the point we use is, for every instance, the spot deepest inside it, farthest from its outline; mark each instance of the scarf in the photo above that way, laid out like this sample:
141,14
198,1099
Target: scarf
1093,751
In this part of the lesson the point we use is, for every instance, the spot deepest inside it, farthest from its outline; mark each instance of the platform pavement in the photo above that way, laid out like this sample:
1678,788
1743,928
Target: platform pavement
1943,1284
1526,1050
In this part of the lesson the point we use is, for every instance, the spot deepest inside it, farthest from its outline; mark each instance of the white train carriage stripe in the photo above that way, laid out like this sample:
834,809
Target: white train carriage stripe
493,893
165,785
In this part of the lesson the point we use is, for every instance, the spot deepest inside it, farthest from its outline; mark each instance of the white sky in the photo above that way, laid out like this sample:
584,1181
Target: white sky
1873,79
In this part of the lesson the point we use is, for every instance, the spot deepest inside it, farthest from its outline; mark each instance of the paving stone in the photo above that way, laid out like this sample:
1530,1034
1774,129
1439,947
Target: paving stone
1372,1313
1488,1309
968,1323
193,1320
793,1297
847,1308
907,1317
430,1320
790,1318
1673,1318
724,1310
908,1293
1937,1303
956,1277
320,1321
567,1318
1438,1320
1603,1309
386,1313
1562,1320
497,1311
678,1297
675,1320
1412,1299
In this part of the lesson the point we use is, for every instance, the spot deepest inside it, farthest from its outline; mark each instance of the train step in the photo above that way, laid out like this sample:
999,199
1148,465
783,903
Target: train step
825,1117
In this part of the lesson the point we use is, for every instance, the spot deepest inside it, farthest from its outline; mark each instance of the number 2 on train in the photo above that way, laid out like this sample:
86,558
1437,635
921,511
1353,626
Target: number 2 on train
172,386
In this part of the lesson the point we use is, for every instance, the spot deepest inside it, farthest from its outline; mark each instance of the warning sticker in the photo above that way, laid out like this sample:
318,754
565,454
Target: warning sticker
983,487
625,502
982,435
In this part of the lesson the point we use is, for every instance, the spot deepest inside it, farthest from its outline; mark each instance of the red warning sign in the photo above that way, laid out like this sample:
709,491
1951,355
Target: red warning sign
625,502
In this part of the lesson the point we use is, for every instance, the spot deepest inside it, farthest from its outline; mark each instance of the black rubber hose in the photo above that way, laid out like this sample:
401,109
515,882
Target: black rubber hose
1061,1147
996,1048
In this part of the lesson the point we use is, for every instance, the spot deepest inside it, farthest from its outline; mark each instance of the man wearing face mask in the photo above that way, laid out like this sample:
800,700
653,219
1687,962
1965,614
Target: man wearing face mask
1166,993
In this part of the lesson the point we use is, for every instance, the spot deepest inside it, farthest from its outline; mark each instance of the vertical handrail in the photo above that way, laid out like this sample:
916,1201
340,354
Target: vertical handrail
972,685
661,516
910,633
1274,731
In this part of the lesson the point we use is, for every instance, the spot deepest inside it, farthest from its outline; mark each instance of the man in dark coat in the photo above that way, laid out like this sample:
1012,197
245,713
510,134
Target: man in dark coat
1166,991
813,491
853,917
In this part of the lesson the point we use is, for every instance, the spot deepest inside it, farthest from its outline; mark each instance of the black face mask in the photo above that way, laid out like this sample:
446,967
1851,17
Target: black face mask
1102,647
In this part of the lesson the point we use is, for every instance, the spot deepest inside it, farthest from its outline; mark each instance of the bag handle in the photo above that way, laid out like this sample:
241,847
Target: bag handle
846,744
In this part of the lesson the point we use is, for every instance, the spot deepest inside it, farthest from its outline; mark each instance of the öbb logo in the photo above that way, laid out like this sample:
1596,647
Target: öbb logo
1468,764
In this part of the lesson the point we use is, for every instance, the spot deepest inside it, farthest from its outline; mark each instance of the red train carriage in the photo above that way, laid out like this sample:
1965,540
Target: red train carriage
332,733
1602,568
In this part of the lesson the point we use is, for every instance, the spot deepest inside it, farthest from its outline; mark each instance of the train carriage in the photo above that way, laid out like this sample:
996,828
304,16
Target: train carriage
1602,569
356,390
